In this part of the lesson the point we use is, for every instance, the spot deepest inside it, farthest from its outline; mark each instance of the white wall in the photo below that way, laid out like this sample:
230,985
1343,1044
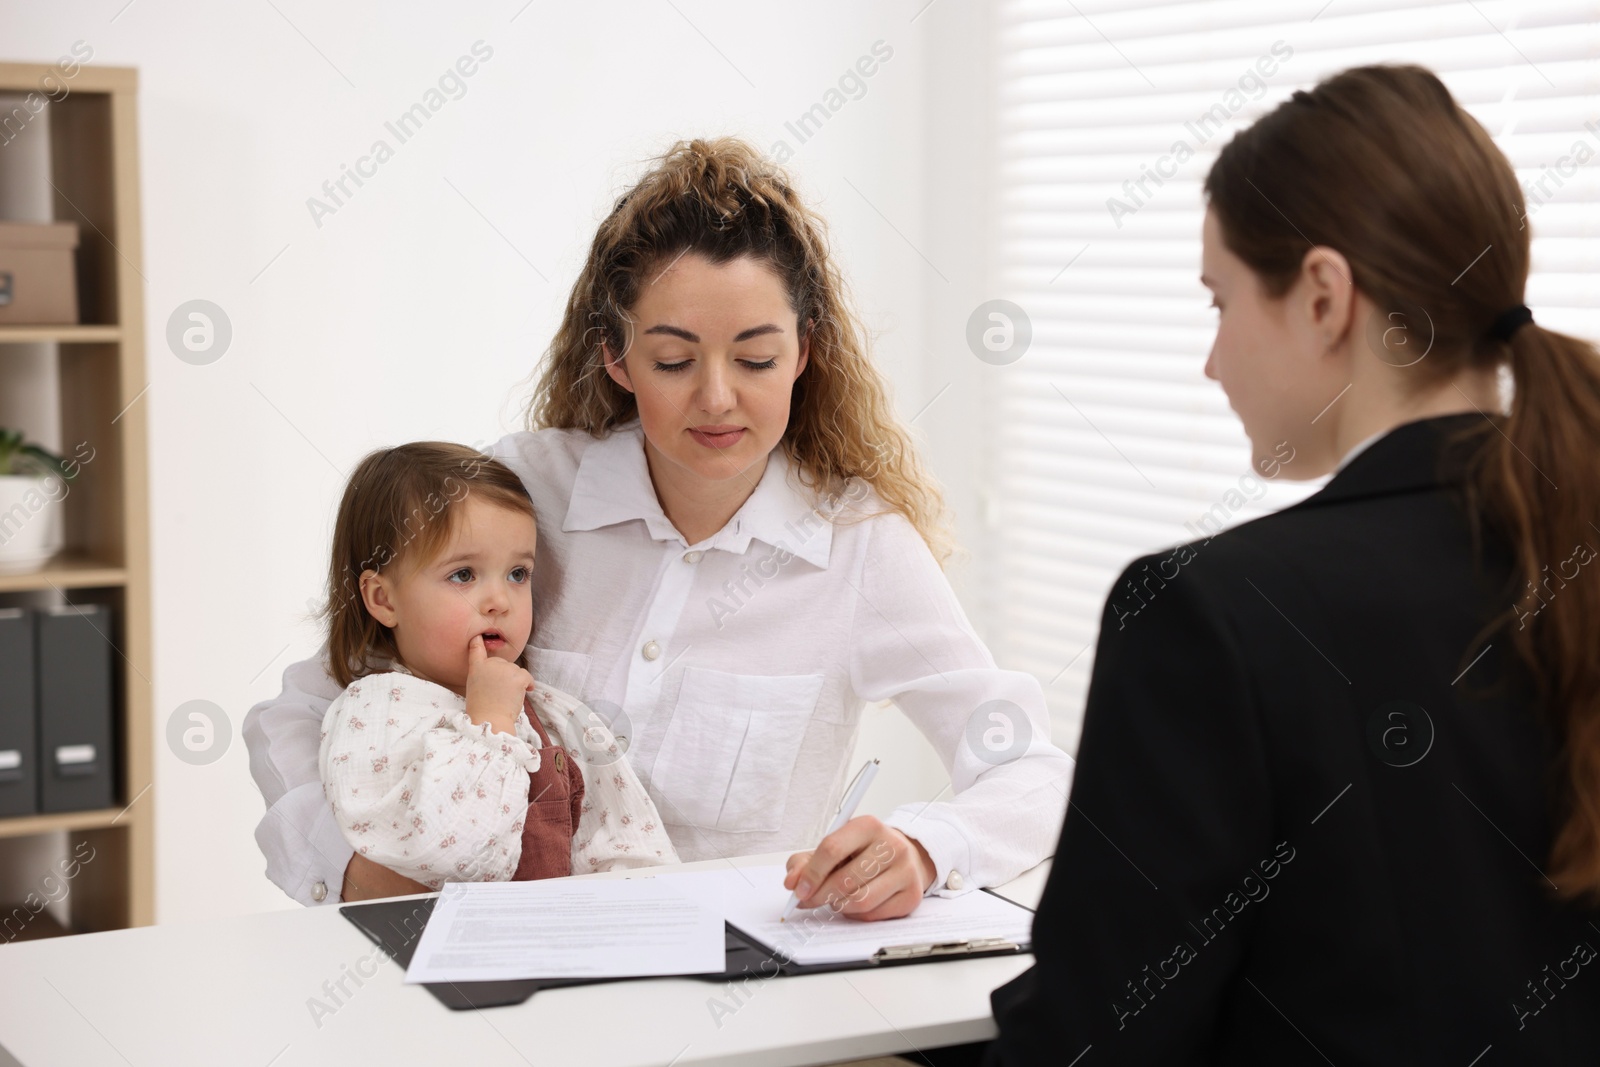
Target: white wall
407,314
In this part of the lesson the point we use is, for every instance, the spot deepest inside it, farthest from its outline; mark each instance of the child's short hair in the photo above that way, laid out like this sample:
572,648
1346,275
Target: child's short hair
401,506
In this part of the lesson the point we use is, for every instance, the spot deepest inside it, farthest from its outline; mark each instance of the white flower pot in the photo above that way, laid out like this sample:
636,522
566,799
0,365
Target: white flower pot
30,521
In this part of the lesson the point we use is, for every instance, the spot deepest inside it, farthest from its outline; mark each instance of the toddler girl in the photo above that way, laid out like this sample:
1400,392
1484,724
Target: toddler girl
443,759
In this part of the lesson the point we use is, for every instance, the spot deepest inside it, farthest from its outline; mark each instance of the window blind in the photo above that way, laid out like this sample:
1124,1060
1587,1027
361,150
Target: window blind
1105,440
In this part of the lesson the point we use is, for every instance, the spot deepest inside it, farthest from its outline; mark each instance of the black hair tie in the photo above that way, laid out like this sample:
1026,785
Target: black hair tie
1509,322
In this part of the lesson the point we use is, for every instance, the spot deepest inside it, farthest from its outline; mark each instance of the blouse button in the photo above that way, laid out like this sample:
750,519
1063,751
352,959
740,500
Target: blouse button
693,557
319,892
651,650
953,882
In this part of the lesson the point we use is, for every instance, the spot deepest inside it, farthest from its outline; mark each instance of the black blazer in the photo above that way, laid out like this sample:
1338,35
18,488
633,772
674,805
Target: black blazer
1309,823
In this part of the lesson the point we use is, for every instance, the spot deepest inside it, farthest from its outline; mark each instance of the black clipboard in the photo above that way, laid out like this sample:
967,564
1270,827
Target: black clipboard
396,925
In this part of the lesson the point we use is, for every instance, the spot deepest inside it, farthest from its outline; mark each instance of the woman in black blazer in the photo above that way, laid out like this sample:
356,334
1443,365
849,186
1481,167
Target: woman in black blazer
1338,791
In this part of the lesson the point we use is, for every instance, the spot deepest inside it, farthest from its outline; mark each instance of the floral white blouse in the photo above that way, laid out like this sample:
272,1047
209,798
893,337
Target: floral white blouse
417,787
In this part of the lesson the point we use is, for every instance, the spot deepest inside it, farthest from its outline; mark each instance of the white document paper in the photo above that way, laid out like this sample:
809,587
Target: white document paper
754,899
561,928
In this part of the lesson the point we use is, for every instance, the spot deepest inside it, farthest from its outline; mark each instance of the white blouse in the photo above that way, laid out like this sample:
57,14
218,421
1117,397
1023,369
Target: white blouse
734,671
418,787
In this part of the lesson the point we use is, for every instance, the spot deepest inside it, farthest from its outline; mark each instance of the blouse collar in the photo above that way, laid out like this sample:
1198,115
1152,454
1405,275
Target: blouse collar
613,486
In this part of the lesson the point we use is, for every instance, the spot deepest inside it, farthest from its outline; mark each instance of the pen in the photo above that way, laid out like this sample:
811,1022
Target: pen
847,811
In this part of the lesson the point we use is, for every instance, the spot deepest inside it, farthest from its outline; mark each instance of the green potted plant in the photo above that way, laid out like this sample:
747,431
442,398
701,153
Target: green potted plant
33,482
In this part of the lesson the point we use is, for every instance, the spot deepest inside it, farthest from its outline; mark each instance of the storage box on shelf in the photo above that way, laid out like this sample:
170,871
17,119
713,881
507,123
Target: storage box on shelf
100,369
38,285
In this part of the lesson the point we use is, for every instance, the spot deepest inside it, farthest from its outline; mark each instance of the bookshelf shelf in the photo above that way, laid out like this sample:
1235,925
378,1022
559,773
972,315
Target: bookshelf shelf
70,820
23,335
67,573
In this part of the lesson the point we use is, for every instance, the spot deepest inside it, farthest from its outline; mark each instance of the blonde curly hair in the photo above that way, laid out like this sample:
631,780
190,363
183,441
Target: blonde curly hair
721,199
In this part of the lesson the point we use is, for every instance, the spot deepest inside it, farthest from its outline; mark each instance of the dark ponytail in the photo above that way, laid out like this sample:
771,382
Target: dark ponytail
1541,482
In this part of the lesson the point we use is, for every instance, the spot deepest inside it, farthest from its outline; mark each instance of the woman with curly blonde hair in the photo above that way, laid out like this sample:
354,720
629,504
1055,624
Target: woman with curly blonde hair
738,550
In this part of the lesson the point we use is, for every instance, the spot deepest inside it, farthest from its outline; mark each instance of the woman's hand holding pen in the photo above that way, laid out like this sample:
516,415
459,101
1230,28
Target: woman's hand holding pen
864,869
495,688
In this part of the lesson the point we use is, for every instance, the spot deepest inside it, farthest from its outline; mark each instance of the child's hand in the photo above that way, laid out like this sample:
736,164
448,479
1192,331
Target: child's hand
495,688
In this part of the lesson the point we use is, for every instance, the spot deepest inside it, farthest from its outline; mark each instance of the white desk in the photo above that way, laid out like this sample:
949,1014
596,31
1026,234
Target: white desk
238,993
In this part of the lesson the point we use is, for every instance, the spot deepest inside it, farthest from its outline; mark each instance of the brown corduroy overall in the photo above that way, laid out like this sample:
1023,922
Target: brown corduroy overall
555,799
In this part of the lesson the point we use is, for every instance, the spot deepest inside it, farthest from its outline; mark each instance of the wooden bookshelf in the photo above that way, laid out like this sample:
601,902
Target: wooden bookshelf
101,374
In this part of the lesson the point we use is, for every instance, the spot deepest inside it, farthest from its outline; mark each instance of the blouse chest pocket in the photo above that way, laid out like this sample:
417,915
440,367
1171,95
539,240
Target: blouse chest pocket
728,754
566,671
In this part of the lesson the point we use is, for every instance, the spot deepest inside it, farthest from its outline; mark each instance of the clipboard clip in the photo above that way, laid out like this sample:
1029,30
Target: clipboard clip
943,948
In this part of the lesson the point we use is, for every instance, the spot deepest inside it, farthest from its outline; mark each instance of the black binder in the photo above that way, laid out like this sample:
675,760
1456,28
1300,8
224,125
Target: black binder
76,761
19,776
397,925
